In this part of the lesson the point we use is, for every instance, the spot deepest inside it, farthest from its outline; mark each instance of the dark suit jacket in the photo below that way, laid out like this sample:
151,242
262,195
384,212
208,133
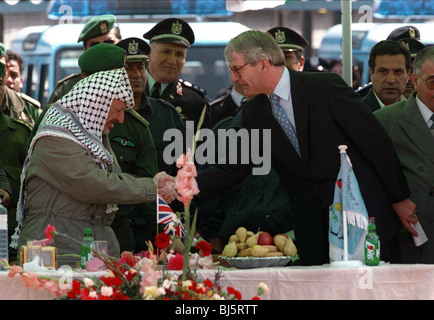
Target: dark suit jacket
327,113
371,101
414,144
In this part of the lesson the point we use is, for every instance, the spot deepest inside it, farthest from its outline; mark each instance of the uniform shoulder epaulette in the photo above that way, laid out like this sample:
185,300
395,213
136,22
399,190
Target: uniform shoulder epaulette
196,88
22,123
30,99
138,116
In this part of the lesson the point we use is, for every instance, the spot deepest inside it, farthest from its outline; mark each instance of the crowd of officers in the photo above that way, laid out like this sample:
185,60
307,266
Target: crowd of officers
164,101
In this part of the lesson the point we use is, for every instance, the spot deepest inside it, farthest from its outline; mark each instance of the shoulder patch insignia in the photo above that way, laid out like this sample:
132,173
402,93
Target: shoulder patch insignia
22,122
124,141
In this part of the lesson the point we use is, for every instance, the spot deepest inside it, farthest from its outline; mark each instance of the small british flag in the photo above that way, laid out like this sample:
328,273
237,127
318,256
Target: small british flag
165,215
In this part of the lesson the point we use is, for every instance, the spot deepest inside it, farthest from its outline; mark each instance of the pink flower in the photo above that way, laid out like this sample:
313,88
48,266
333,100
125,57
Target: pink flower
150,277
185,182
14,270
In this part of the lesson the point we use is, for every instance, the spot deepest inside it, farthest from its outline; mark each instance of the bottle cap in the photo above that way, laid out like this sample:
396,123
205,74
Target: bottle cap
87,232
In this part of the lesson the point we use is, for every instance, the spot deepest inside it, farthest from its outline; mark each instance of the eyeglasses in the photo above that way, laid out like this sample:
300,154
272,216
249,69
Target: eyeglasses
236,70
429,84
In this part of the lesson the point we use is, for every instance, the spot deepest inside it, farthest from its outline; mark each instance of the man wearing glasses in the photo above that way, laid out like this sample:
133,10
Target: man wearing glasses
99,29
410,125
324,112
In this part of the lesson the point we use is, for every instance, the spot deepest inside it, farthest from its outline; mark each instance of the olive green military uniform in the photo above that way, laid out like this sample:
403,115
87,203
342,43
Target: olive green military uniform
161,116
133,146
63,87
19,106
13,136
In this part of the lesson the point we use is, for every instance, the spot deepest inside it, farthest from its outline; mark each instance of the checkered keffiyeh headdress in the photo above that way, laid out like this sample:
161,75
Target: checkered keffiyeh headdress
80,116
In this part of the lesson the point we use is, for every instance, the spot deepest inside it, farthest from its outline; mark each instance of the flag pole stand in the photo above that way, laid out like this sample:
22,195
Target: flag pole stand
346,263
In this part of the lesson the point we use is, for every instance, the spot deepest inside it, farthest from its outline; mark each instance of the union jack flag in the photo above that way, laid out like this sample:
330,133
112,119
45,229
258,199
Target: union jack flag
165,215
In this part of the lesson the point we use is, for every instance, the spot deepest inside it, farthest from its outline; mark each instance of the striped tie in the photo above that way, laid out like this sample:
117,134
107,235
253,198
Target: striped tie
281,117
432,124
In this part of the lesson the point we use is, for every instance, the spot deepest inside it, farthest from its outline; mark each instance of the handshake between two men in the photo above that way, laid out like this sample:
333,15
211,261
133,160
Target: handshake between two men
165,186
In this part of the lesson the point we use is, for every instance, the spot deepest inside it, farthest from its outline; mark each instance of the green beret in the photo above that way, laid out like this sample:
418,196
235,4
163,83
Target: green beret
2,69
97,26
102,57
2,49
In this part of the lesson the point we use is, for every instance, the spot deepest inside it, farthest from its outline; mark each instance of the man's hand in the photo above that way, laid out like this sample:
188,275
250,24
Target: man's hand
165,186
406,211
5,197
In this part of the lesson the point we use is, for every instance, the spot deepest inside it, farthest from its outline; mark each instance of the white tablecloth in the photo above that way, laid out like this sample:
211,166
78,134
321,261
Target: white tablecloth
389,282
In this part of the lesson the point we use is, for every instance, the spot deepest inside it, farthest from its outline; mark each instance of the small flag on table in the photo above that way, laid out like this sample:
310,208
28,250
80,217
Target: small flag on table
166,216
348,215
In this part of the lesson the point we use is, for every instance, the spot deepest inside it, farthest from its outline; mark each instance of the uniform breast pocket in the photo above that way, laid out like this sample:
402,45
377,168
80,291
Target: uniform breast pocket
125,151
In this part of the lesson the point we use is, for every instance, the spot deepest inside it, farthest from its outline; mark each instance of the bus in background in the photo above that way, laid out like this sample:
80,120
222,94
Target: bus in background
51,53
364,37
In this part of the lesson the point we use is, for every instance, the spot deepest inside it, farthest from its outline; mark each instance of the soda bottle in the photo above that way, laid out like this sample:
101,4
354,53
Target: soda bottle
3,235
372,245
86,252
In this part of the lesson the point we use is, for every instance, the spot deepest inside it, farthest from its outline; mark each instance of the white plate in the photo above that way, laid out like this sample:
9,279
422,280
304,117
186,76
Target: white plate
257,262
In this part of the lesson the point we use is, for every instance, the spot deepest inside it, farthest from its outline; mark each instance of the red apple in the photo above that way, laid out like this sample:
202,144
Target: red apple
265,239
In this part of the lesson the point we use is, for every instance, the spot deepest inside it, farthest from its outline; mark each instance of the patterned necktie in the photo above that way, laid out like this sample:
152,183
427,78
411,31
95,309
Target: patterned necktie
281,117
432,124
156,90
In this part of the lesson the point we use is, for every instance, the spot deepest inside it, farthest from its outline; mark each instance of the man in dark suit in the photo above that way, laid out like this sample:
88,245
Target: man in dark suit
389,67
410,125
325,113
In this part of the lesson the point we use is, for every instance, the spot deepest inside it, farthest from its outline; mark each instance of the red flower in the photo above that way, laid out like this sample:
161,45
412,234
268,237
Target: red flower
236,293
208,283
111,281
256,298
162,240
204,247
75,290
128,258
176,262
50,231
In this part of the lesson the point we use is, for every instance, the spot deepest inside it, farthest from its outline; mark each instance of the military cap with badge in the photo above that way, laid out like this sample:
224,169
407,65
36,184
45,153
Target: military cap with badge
137,50
172,30
288,39
409,36
97,26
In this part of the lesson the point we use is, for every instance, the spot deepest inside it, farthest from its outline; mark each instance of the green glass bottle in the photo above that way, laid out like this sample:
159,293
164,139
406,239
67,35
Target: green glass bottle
86,252
372,245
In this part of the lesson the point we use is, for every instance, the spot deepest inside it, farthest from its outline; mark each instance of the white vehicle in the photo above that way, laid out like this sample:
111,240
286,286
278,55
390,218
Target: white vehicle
51,53
365,36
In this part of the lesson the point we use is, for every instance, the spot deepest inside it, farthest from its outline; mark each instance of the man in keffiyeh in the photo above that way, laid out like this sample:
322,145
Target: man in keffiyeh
71,179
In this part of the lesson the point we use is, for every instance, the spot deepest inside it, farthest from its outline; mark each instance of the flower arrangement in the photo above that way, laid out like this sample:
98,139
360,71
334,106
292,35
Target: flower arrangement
134,277
138,276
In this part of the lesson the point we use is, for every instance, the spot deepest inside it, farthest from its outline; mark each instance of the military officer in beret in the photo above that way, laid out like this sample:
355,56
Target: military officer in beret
96,30
14,104
13,136
161,116
170,40
292,45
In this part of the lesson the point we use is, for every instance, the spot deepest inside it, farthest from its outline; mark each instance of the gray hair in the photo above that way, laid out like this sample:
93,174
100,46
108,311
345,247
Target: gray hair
255,46
422,56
